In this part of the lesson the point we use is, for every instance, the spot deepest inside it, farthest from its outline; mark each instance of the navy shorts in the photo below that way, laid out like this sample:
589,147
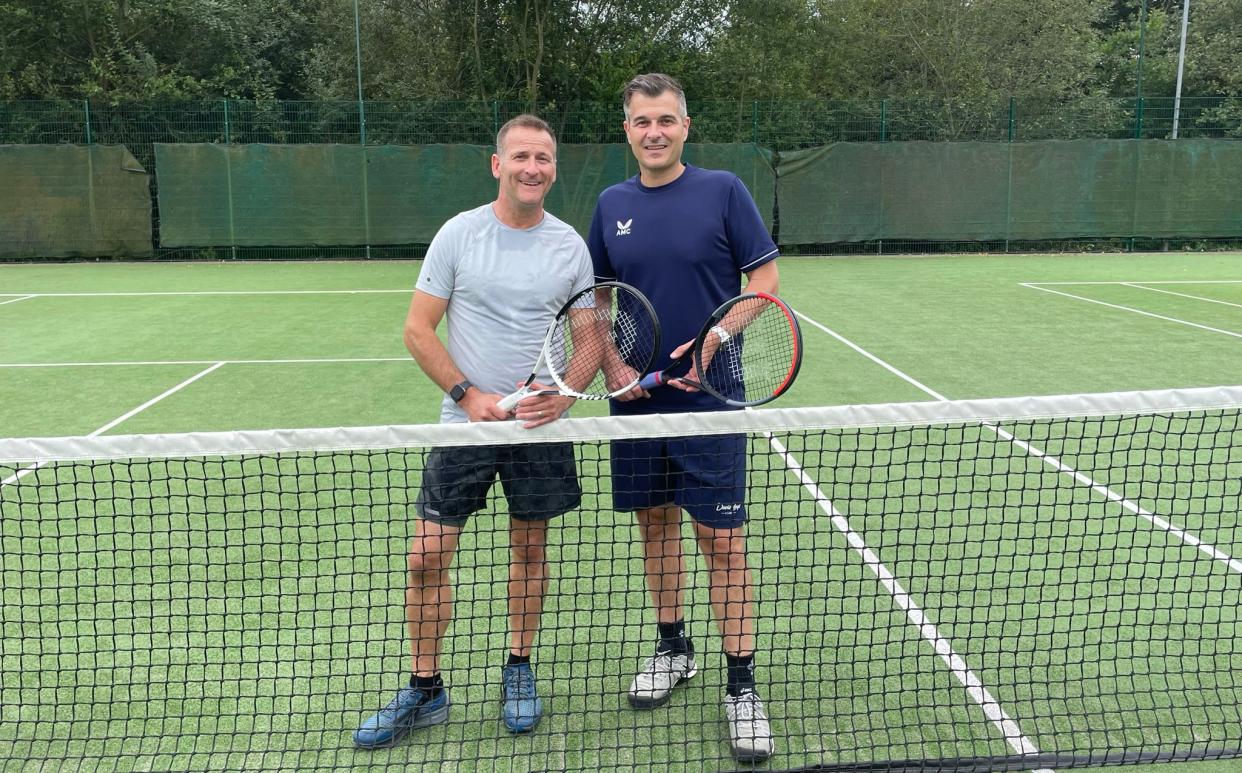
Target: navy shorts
540,481
704,475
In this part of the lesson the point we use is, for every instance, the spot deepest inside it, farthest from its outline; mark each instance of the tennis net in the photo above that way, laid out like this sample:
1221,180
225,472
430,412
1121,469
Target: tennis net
1003,584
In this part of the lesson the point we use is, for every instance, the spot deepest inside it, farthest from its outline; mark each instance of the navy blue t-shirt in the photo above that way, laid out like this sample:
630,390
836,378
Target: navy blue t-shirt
685,246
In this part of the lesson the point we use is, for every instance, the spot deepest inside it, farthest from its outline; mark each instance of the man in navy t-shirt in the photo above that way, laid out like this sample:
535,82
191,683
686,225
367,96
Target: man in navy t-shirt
684,236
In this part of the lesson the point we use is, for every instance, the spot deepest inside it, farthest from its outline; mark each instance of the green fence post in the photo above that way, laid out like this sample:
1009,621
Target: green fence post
1138,118
754,122
883,120
495,116
1013,110
86,108
226,120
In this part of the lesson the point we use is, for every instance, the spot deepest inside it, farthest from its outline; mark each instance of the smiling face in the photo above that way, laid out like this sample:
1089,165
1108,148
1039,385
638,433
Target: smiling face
525,165
657,128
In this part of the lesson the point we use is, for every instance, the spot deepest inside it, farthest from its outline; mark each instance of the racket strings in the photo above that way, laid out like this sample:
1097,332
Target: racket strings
619,327
756,362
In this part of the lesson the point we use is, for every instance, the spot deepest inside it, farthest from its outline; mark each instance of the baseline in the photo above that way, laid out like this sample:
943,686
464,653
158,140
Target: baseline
1132,309
123,417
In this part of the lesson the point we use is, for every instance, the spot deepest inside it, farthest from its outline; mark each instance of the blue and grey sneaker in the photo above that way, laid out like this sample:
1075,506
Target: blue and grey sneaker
522,708
411,709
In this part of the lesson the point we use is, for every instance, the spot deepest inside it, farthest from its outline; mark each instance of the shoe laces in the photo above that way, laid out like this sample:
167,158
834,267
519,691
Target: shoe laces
661,663
405,698
747,707
519,683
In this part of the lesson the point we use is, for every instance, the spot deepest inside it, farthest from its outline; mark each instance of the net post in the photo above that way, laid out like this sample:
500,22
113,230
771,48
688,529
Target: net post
754,122
883,120
86,111
225,103
1013,114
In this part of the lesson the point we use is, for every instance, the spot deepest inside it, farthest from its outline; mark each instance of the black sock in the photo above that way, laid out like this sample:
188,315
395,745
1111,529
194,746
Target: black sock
432,685
517,660
741,674
673,638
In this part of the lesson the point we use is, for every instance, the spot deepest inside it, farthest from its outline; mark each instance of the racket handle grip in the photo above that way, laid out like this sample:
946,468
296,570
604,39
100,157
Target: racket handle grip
509,402
651,381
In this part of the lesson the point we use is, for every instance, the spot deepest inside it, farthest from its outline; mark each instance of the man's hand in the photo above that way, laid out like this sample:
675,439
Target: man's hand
692,375
537,410
618,374
481,406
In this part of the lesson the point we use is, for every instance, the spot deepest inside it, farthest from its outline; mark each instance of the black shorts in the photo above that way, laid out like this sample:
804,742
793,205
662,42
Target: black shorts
540,481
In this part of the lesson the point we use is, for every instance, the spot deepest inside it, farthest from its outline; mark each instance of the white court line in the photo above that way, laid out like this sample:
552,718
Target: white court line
1008,728
1136,311
1130,506
201,362
15,300
215,292
1139,286
1158,282
130,414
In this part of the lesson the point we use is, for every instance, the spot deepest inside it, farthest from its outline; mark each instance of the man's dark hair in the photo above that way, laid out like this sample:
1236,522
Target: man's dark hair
653,84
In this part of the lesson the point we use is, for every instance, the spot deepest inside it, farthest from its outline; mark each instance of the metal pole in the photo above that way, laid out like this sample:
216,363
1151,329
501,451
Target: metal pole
1181,63
362,130
1138,90
86,106
362,113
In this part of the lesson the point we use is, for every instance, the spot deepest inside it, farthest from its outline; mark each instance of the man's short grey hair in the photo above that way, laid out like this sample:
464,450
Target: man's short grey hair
526,121
653,84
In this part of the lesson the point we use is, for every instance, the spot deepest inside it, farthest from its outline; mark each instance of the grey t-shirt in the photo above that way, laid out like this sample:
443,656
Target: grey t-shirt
504,286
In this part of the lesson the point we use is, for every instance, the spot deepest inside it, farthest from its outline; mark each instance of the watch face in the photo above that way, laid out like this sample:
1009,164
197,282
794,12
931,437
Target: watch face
459,391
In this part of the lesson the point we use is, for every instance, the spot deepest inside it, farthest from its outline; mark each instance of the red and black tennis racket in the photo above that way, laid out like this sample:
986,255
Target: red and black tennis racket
748,353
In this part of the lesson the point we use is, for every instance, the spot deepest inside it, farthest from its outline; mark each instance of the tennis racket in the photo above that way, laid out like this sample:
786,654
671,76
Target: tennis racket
748,352
602,340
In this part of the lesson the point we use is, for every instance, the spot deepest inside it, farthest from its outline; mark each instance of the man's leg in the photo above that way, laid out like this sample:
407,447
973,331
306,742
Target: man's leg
429,594
724,552
541,482
428,610
663,561
732,599
528,583
664,566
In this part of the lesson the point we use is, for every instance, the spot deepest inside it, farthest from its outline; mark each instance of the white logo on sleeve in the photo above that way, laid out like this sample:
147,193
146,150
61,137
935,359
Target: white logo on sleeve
623,229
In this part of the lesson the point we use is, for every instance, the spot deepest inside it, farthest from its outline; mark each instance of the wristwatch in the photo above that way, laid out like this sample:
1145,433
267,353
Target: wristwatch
459,390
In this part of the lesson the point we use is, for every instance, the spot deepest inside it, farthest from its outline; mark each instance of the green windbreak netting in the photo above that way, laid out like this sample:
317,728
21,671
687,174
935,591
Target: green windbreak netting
256,195
63,201
990,191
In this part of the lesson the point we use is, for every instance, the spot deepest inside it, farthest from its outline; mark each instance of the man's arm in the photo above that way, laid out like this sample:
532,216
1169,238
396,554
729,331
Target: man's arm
426,311
765,279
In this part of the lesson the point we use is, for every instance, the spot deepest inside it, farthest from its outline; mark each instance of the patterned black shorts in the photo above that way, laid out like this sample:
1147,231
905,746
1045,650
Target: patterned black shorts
540,481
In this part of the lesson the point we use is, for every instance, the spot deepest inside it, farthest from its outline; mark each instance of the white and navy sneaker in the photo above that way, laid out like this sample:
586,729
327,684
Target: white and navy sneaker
750,733
653,685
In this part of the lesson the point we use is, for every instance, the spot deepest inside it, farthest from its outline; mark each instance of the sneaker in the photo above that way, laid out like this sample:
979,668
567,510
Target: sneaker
659,675
750,734
521,709
409,710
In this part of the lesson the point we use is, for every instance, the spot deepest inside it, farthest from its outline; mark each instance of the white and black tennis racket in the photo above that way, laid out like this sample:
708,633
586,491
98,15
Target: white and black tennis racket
748,352
602,340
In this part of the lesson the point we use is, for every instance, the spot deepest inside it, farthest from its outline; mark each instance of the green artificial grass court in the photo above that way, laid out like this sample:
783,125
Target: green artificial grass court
320,597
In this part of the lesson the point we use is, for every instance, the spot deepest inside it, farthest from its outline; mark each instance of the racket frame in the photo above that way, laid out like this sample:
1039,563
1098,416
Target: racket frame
709,329
510,401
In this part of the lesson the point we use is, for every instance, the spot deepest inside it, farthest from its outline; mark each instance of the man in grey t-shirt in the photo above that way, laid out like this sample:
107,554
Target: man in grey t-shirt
499,274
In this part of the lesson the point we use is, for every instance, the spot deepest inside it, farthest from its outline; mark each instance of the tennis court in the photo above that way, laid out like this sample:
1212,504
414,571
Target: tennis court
112,349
